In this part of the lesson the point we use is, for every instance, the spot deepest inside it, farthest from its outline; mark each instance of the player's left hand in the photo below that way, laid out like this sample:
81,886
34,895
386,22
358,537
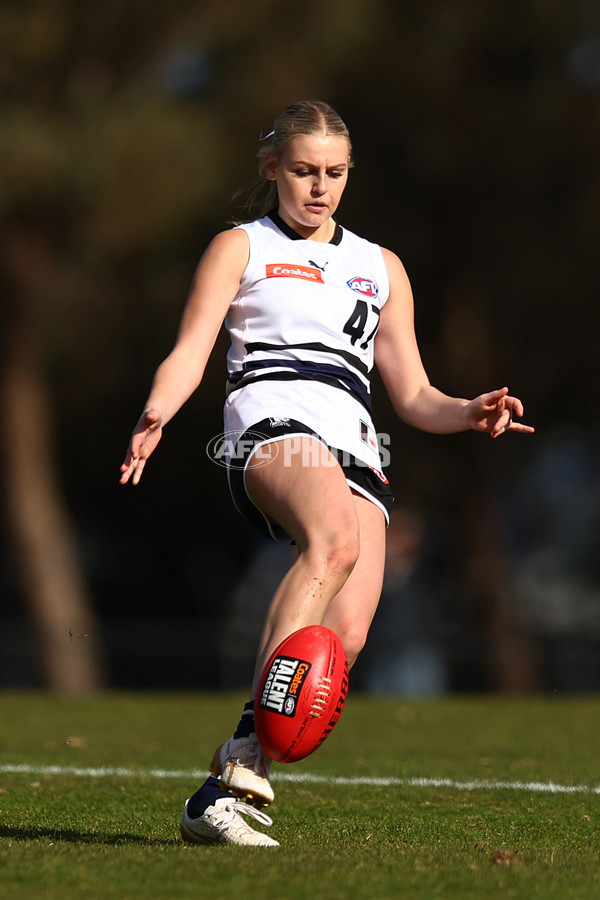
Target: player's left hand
494,413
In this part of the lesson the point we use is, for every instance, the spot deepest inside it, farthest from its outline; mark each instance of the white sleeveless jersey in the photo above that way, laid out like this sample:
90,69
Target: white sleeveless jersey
302,329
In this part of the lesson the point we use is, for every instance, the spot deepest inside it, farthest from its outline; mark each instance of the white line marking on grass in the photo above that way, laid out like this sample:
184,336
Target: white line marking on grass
540,787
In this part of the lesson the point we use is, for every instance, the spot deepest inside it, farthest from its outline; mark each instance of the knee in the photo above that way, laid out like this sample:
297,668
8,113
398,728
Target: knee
353,638
339,553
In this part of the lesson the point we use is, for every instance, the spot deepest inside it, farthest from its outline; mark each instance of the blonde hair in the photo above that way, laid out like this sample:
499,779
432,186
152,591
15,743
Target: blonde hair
303,117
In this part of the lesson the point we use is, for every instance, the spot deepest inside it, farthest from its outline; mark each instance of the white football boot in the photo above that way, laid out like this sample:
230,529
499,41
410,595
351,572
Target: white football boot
223,824
244,770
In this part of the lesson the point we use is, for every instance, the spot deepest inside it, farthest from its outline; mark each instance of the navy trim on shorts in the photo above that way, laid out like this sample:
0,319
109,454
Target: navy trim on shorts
360,477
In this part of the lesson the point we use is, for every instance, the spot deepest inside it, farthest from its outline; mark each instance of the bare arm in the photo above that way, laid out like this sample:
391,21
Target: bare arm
414,399
215,284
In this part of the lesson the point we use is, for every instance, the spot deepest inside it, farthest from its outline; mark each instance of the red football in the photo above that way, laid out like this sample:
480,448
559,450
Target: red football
301,694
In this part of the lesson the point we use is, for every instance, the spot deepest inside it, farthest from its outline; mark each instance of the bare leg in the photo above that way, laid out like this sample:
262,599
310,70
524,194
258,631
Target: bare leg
351,611
316,507
336,580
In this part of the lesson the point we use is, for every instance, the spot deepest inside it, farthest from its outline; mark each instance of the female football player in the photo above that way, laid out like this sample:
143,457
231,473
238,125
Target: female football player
309,307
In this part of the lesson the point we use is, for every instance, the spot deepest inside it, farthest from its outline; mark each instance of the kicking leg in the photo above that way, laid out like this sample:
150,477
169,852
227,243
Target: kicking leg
307,494
304,490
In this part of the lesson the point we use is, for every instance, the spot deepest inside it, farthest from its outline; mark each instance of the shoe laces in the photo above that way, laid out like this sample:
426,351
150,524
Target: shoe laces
228,812
251,756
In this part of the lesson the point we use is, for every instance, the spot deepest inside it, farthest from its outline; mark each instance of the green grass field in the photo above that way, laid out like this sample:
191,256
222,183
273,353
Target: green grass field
104,821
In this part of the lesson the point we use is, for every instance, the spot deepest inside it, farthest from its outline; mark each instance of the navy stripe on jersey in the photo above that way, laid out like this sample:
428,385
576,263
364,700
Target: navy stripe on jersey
335,376
354,361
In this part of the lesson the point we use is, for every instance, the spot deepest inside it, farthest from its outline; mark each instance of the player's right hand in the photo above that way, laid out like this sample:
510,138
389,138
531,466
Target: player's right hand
146,435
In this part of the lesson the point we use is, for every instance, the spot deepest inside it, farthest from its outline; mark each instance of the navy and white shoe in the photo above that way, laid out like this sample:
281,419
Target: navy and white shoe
222,823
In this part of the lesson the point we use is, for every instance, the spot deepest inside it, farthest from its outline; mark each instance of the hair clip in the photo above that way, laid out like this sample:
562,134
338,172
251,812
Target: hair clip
270,134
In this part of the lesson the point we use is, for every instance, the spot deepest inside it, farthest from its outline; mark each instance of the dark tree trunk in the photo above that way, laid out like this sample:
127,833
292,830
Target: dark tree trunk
39,526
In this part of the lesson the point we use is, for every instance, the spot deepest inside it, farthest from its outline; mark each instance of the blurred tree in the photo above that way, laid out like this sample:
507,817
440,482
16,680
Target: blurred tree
117,137
486,145
78,194
68,644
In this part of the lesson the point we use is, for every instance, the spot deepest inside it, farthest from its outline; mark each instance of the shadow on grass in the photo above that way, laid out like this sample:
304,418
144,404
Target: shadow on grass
29,833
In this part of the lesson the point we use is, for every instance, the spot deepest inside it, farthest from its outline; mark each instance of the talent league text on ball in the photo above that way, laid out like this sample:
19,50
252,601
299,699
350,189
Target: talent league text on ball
283,684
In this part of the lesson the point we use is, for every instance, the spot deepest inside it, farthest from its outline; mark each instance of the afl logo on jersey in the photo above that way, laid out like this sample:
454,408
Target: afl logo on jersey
306,273
363,286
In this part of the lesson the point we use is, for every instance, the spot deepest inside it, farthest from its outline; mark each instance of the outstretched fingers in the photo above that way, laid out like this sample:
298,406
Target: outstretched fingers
508,407
133,466
495,413
145,437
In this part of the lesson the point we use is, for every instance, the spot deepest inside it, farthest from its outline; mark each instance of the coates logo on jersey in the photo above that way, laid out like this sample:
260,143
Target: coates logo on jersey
306,273
363,286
